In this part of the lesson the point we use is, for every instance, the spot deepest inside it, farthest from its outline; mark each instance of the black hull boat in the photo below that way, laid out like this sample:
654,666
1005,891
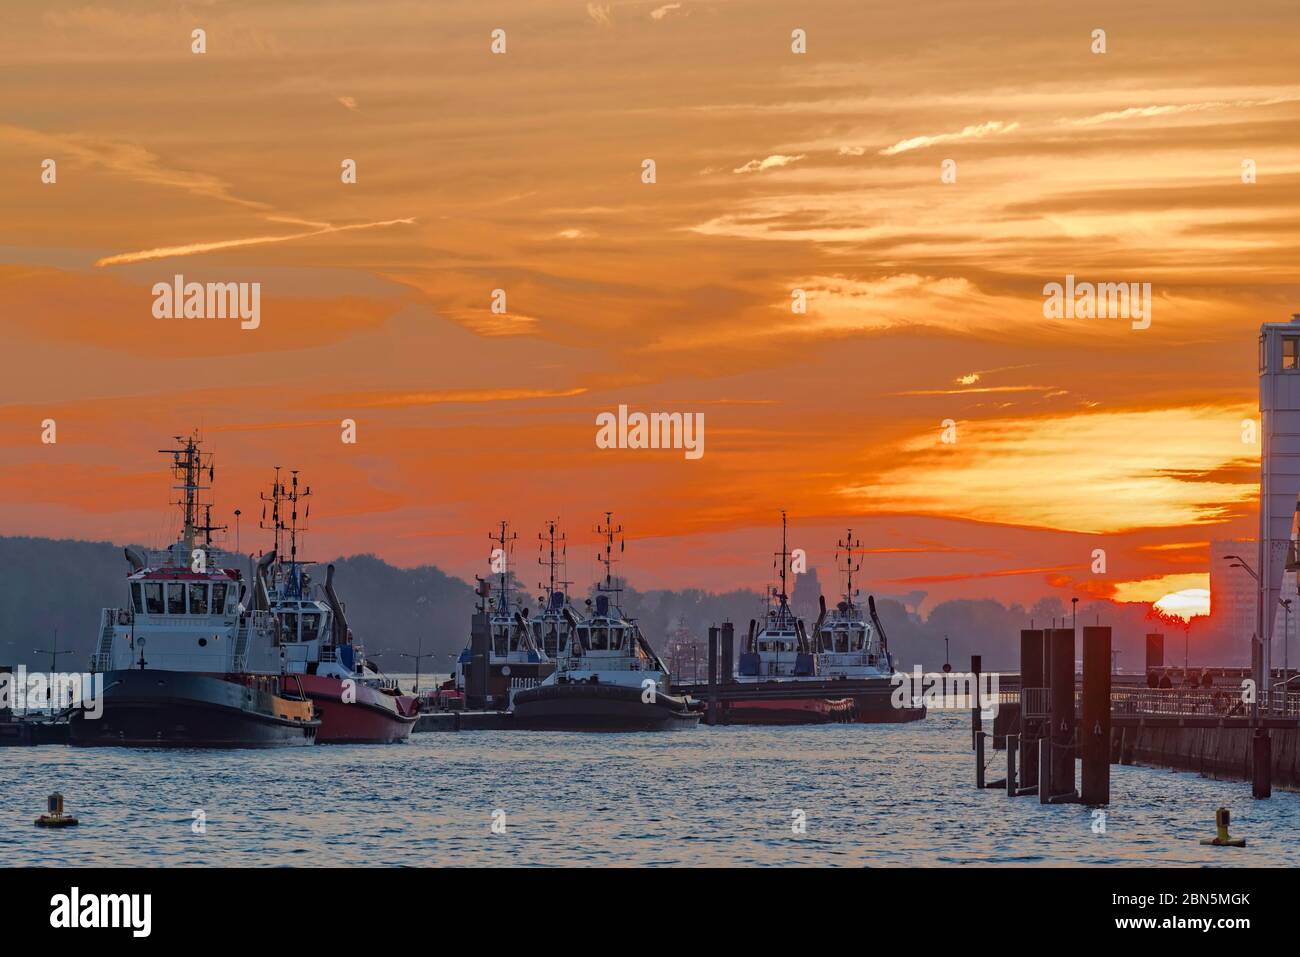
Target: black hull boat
592,706
170,709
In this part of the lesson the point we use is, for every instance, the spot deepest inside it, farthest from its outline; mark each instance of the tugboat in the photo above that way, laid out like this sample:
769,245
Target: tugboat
780,649
851,649
608,678
355,702
846,645
190,662
514,654
845,669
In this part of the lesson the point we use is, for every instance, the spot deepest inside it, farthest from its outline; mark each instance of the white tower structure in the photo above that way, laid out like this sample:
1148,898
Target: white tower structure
1279,474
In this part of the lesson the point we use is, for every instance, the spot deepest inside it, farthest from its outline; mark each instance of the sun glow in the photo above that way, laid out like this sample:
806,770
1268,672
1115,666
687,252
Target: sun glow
1186,604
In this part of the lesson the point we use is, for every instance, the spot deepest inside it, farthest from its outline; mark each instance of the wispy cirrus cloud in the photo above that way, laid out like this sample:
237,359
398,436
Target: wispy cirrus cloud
975,132
1144,112
774,161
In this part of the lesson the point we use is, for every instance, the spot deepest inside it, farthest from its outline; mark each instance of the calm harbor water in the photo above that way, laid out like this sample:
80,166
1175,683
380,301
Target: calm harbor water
872,795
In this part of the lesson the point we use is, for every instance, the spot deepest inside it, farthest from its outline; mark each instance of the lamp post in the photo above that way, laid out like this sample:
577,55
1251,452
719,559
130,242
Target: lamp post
419,648
1257,670
1286,648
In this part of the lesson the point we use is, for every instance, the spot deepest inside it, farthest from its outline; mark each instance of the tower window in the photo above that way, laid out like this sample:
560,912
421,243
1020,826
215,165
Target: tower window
1291,352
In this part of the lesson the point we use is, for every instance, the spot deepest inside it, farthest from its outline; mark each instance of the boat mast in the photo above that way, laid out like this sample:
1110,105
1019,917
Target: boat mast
276,525
784,556
505,542
290,496
610,587
552,562
188,463
849,547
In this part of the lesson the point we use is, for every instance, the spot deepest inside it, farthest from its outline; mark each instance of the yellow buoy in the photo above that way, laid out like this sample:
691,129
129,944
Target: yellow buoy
1221,839
56,817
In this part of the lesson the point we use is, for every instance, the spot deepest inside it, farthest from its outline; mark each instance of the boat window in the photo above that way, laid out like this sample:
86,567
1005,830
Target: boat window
599,639
219,597
288,627
310,625
584,637
136,599
153,598
1291,352
198,598
175,598
615,638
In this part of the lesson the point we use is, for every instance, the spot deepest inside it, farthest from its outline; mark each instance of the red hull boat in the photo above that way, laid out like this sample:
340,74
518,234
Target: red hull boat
374,715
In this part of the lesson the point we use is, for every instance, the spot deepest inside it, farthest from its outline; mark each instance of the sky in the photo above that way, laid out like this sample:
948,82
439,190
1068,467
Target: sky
774,171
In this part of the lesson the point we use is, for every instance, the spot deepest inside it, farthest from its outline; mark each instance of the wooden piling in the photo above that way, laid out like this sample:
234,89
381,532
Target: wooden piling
979,759
1062,720
1044,769
711,715
727,660
480,639
1261,772
1031,676
976,719
1094,735
1013,742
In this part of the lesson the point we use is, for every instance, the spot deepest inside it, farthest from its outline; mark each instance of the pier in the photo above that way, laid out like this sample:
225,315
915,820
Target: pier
1047,723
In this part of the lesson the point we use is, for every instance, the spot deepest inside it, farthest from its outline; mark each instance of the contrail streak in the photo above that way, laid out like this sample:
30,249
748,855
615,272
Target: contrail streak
194,249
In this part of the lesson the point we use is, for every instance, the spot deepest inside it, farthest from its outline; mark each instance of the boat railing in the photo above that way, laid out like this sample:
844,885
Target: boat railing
103,658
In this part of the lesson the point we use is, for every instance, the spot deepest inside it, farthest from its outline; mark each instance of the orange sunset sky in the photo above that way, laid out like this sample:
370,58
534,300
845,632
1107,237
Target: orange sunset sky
775,171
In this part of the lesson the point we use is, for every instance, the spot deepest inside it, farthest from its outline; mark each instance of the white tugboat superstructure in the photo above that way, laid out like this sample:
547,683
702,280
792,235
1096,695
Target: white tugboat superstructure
846,644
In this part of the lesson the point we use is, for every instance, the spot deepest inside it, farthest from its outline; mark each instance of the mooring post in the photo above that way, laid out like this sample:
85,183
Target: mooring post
727,660
1062,720
976,722
480,639
1013,742
1031,676
726,665
711,715
1261,771
1094,735
1045,769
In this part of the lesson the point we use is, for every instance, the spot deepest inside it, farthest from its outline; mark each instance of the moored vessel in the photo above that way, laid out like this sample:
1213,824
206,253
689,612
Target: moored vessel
189,662
846,658
355,702
512,655
608,677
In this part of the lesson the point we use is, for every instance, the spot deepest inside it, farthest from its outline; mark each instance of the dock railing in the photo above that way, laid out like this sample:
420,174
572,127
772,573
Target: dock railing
1223,702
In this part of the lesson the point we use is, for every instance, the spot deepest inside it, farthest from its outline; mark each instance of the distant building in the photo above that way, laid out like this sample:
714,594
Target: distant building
1233,592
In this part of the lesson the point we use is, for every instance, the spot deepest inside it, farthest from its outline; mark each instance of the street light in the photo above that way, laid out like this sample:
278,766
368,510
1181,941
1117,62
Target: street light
418,656
1241,563
1261,673
1286,645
